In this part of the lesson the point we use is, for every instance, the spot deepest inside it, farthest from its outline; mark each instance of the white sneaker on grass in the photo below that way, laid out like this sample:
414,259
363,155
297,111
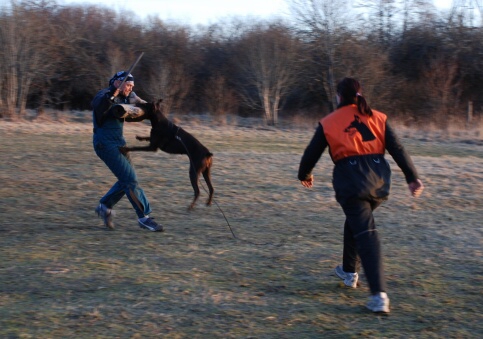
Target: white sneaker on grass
350,279
379,303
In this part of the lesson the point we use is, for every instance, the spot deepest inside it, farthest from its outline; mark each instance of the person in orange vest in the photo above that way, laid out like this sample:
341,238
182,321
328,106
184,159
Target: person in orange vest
357,137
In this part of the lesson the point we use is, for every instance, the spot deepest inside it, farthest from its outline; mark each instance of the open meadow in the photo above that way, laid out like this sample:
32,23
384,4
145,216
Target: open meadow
63,275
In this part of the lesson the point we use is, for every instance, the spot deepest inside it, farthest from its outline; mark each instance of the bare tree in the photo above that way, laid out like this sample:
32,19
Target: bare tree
219,97
367,61
384,13
320,22
169,81
443,82
268,68
11,41
467,12
416,12
25,35
91,47
169,60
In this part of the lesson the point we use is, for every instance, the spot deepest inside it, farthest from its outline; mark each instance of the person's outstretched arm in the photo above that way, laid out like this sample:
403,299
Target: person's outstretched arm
404,161
311,156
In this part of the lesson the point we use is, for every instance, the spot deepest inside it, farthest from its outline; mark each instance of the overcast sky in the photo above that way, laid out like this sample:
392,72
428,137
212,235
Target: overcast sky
204,11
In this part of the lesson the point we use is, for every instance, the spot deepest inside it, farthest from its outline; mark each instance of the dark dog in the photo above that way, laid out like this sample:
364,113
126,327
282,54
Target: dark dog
172,139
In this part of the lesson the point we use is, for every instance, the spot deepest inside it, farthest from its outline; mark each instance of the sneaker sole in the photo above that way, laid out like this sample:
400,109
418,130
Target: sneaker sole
350,286
150,228
379,312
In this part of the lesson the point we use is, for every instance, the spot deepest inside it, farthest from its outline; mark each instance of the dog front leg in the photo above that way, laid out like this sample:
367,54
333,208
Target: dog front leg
124,149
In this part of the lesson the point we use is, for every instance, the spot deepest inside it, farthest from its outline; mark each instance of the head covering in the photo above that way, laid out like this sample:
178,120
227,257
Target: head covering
120,76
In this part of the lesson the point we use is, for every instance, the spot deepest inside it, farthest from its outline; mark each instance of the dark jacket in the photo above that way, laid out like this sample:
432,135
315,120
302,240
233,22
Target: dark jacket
108,129
360,176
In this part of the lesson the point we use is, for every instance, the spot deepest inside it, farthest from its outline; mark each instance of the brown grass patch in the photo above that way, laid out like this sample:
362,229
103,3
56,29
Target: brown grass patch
62,275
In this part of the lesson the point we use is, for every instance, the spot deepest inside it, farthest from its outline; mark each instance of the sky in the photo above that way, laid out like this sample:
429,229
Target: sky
195,11
205,11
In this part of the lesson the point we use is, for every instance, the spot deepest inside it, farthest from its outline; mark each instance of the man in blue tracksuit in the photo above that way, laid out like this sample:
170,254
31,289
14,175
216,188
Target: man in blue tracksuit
108,137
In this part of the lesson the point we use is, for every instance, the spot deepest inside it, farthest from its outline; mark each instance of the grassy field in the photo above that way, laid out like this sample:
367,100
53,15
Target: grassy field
62,275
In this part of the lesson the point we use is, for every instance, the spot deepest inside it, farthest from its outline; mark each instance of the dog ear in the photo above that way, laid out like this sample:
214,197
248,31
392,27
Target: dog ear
157,105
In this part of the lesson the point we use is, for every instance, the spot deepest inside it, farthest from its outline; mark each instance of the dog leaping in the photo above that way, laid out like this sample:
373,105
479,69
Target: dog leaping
172,139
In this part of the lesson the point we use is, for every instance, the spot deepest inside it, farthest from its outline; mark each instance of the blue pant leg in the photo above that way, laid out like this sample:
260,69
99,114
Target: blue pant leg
122,168
113,195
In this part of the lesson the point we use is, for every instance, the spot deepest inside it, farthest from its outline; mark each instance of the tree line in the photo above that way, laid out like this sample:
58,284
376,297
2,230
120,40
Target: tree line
415,63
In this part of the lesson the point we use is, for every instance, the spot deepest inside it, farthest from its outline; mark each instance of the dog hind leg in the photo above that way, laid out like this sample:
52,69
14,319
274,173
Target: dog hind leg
194,178
207,176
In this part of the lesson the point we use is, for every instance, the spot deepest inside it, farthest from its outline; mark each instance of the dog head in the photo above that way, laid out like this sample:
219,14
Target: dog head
150,108
157,105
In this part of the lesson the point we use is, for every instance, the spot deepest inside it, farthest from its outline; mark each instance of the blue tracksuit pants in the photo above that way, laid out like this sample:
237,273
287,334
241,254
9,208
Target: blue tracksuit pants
127,183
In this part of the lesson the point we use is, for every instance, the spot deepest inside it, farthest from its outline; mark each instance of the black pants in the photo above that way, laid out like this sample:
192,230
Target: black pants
361,242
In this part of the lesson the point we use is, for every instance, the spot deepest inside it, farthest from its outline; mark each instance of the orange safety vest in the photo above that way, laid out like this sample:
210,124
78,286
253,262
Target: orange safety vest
349,133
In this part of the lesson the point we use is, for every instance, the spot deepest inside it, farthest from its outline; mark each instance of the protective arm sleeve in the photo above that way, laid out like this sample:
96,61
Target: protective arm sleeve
134,100
399,154
312,154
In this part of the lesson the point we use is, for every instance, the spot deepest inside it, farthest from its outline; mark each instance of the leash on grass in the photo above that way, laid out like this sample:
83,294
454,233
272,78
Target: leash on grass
220,209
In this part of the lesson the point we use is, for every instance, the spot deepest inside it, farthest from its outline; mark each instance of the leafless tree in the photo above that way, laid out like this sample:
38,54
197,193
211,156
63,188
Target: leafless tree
367,61
407,60
443,82
169,81
417,12
321,22
267,62
169,60
24,37
384,14
219,97
467,13
95,43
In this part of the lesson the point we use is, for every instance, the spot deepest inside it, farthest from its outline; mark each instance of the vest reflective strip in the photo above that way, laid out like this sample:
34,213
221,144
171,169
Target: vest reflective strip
350,133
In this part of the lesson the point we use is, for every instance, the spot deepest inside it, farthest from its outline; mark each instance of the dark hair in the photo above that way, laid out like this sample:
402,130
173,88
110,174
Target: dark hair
349,91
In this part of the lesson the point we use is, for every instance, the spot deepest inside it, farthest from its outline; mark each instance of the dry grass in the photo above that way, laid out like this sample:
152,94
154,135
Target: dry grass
62,275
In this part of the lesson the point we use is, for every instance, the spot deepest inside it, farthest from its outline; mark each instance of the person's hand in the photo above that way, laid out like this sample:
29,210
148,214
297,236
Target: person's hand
115,94
416,188
309,182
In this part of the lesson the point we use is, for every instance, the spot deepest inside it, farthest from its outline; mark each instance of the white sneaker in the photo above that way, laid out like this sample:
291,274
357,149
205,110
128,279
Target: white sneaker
350,279
379,303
